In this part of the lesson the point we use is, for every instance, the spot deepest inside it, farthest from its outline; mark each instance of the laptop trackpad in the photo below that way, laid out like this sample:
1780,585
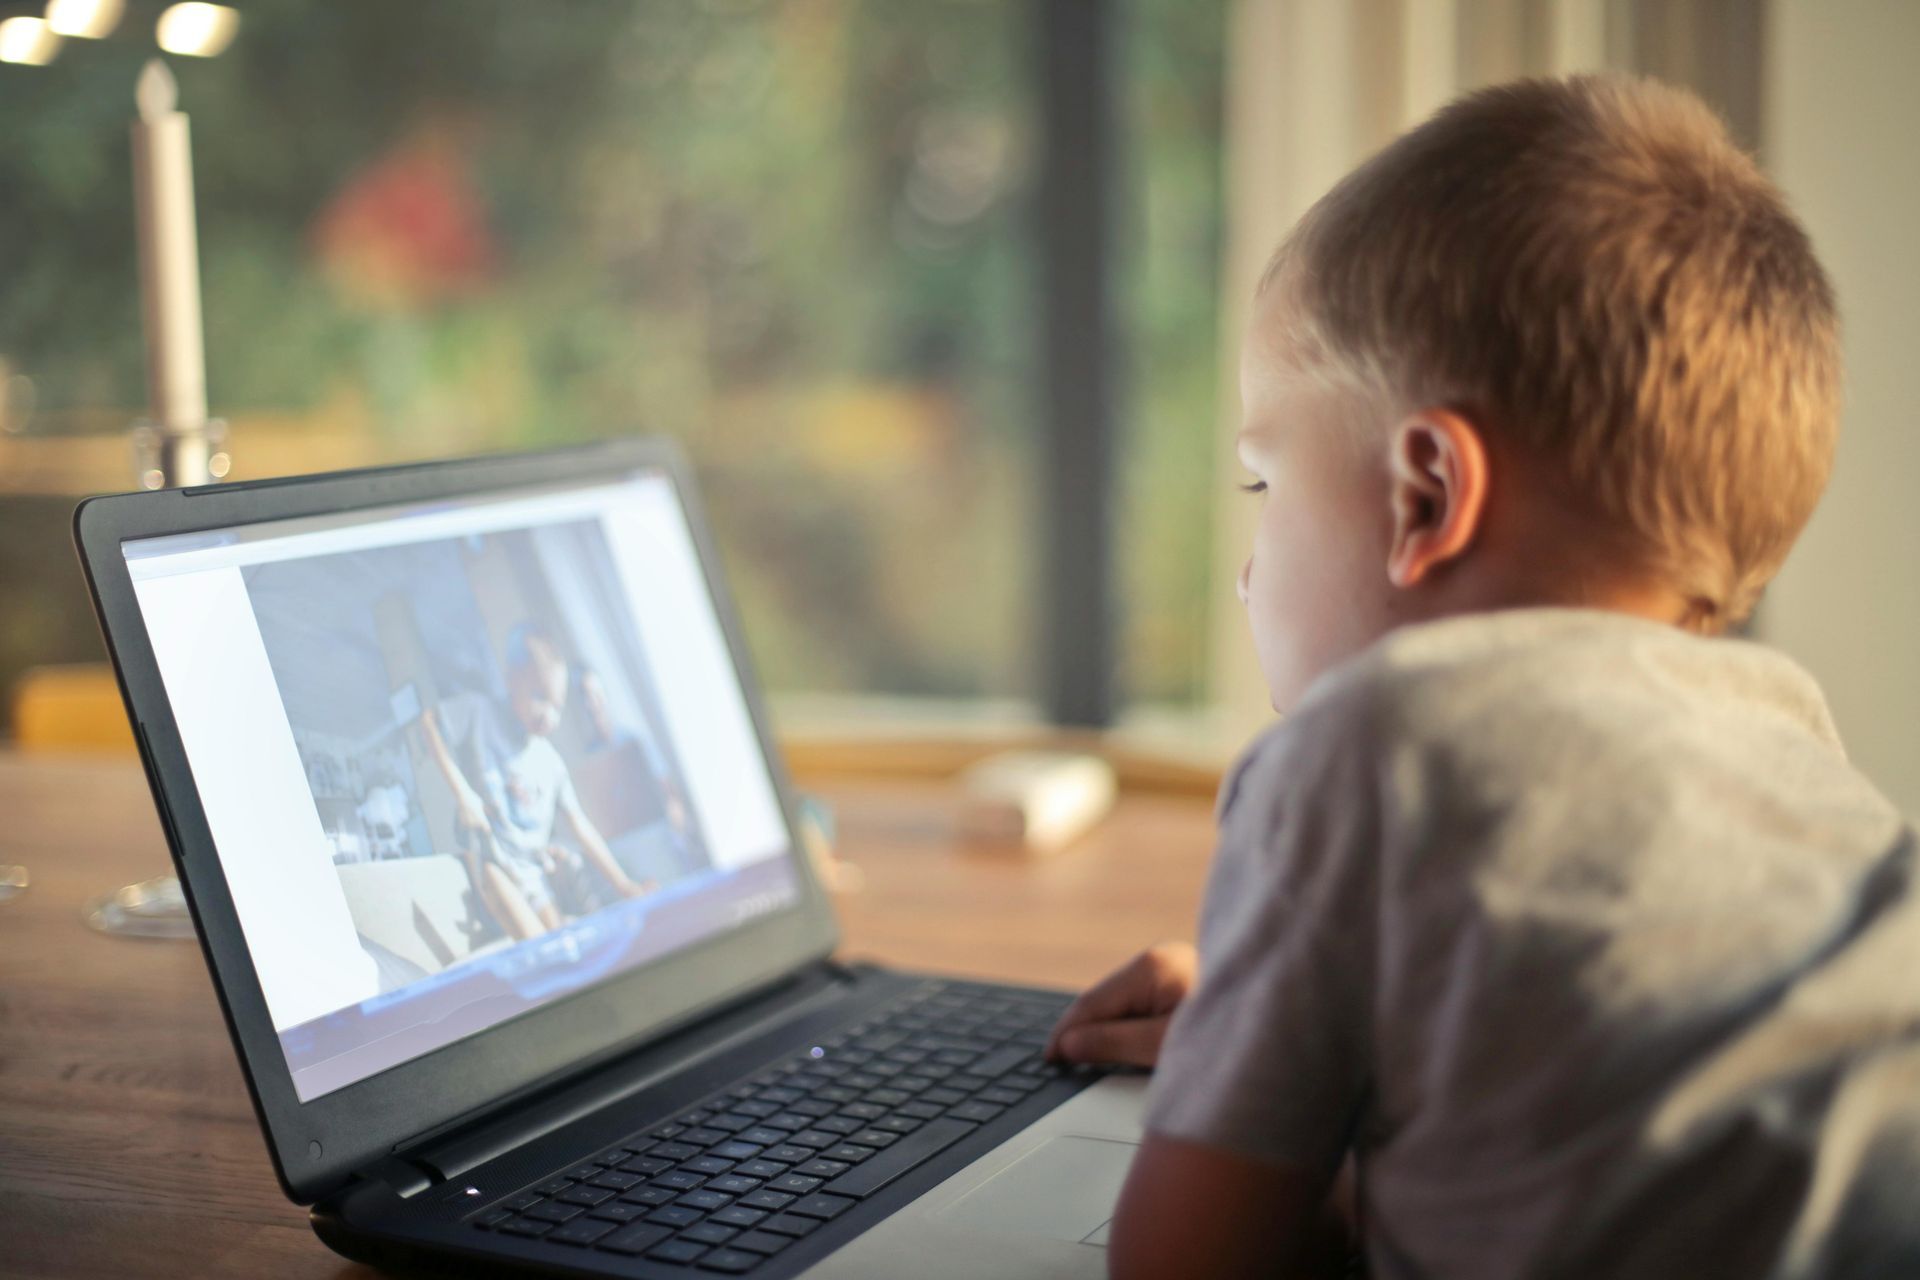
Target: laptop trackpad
1064,1189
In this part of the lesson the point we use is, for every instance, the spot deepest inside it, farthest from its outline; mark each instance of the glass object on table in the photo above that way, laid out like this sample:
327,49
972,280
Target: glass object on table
153,908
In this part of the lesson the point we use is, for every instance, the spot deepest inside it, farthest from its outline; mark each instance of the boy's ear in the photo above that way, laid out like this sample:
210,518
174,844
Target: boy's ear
1437,482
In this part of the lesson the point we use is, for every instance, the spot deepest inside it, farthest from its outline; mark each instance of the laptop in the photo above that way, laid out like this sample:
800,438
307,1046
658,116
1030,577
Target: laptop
472,794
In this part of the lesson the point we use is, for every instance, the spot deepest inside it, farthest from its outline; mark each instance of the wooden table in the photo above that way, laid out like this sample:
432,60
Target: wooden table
128,1147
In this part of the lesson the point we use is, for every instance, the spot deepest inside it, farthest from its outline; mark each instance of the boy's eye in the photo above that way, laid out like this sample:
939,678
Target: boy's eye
1254,486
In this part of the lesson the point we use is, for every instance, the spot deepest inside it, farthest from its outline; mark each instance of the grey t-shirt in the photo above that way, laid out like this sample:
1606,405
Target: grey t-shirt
1584,936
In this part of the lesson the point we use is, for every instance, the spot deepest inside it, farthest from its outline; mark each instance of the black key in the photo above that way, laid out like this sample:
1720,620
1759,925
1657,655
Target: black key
764,1134
999,1096
710,1233
705,1200
981,1111
861,1080
581,1173
798,1184
761,1242
912,1083
766,1200
944,1096
525,1200
587,1196
737,1150
755,1108
1001,1061
869,1176
553,1211
619,1211
668,1130
708,1164
810,1138
646,1166
617,1180
788,1225
760,1169
864,1110
822,1168
738,1216
649,1195
697,1116
526,1227
553,1187
635,1147
675,1215
812,1107
776,1094
821,1206
729,1262
848,1153
786,1122
888,1097
492,1219
833,1093
674,1151
678,1251
874,1138
638,1238
842,1124
580,1231
788,1153
923,1110
897,1124
679,1180
733,1184
730,1121
704,1136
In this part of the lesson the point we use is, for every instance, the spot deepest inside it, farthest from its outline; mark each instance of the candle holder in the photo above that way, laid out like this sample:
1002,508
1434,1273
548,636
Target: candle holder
170,459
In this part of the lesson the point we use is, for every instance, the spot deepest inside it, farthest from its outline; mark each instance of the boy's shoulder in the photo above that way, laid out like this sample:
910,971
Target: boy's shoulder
1484,707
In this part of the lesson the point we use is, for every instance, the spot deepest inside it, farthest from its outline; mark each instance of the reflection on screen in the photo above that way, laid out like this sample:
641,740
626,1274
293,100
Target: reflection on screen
461,760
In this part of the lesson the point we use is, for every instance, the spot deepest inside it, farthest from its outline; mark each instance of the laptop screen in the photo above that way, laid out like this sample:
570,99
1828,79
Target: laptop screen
461,759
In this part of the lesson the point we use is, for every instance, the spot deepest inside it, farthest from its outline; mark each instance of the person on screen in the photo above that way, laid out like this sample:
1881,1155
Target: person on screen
607,733
511,788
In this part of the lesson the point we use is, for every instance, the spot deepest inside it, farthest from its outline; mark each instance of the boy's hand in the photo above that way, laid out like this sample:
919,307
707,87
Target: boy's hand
1123,1018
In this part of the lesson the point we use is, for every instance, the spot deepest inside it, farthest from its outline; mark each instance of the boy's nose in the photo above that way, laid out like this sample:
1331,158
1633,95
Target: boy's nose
1240,583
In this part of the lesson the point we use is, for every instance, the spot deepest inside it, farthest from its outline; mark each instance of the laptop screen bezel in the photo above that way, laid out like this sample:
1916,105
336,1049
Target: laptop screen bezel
317,1145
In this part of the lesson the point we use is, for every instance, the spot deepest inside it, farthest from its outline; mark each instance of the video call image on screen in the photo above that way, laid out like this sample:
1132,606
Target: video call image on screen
498,804
480,778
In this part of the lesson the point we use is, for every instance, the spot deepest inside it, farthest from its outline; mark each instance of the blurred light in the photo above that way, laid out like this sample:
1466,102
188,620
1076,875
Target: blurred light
197,30
27,41
87,19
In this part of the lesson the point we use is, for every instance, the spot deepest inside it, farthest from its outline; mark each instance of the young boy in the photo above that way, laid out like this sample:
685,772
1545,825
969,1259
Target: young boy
511,787
1569,924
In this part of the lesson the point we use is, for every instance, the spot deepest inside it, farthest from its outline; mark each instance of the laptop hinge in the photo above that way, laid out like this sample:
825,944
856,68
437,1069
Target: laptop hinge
406,1177
451,1154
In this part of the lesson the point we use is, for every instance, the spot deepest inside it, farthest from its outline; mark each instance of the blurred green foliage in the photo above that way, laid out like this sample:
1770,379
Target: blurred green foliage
793,233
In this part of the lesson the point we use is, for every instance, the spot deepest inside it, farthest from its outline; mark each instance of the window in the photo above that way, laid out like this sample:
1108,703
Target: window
795,234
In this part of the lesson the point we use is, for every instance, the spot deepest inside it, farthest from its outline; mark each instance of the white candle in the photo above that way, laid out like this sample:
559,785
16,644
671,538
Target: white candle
170,276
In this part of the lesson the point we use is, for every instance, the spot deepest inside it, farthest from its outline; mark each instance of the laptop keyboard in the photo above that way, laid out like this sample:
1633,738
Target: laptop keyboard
736,1179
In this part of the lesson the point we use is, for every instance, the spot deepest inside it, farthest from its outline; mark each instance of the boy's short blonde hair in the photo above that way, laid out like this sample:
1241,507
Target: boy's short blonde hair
1592,271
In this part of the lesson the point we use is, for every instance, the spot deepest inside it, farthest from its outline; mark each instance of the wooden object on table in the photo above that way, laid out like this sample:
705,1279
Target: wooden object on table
76,707
128,1146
